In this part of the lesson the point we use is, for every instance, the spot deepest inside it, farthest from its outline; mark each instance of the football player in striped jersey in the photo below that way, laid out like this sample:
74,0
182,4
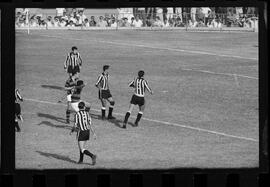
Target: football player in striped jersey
139,84
104,92
18,115
83,125
73,62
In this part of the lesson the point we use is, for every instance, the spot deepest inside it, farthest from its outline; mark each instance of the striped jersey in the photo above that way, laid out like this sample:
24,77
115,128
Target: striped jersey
103,81
73,59
139,85
18,96
70,83
83,120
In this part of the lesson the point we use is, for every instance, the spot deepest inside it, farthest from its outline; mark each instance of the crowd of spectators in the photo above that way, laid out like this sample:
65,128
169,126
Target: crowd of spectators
139,17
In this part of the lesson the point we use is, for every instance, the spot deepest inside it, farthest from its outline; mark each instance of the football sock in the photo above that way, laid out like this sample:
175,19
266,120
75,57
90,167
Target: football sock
110,111
103,110
81,157
88,153
126,117
138,117
67,114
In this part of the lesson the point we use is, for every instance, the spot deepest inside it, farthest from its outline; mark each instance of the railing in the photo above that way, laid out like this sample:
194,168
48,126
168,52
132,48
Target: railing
220,22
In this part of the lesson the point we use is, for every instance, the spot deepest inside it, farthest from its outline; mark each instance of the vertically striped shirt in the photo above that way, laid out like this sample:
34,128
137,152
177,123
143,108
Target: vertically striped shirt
103,81
83,120
18,96
139,84
73,59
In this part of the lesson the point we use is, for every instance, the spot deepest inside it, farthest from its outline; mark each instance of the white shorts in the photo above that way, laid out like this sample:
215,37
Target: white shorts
69,98
75,106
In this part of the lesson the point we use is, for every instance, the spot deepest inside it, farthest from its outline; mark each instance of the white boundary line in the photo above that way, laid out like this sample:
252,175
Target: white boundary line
163,122
153,47
228,74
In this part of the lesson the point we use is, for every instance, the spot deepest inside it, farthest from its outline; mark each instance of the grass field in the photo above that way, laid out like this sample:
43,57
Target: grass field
203,113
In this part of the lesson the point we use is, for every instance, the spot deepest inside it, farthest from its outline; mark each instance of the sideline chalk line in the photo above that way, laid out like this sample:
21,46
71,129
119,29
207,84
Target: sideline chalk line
158,121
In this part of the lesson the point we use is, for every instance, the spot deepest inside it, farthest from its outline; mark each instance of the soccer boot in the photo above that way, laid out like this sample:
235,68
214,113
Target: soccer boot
136,124
124,126
111,117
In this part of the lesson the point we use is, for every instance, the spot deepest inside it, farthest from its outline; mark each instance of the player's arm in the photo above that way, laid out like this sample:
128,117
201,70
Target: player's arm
147,87
80,63
91,127
75,126
66,61
19,95
131,84
98,81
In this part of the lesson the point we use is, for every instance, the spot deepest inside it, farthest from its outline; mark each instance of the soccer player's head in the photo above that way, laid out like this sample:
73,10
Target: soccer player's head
141,73
74,48
105,68
80,83
81,105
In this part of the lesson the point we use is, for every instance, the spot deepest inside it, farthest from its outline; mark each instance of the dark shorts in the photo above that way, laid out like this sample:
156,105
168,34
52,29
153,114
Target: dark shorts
17,109
83,135
136,100
104,94
74,70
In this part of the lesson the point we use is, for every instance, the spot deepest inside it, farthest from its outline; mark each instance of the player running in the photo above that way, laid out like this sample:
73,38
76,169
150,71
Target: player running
83,126
139,84
104,93
73,62
18,115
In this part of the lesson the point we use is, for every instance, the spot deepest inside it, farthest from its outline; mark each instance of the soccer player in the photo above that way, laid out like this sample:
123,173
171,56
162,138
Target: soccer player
69,87
104,93
73,62
83,126
18,115
139,84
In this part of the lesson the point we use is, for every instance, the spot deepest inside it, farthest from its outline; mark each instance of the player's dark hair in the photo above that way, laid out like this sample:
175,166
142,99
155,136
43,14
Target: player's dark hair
105,67
81,105
141,73
74,48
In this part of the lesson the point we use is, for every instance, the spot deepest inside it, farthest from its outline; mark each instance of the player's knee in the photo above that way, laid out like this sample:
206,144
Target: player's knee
112,103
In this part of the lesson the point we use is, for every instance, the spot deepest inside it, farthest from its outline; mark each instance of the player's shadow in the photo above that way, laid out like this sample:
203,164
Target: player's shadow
116,122
49,116
52,87
50,124
56,156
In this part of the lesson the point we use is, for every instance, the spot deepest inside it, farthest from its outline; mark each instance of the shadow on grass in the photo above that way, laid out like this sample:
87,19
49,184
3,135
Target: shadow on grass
49,116
52,87
116,122
50,124
56,156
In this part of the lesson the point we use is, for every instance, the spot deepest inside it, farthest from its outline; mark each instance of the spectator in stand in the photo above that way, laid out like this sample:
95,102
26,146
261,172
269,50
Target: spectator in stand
178,22
125,22
193,12
60,11
49,21
63,23
86,23
102,22
137,22
81,18
179,12
159,13
206,11
56,22
166,23
169,13
158,22
92,22
201,23
113,23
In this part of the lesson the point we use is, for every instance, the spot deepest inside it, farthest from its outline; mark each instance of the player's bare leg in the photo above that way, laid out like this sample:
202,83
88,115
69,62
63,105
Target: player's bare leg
68,112
139,115
131,106
111,101
103,108
85,151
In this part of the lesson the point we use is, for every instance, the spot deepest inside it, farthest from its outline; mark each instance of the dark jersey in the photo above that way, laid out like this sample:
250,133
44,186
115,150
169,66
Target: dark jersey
70,85
76,95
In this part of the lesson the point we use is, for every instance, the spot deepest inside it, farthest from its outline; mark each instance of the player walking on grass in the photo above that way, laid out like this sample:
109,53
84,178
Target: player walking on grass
18,115
139,84
73,62
104,92
83,126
